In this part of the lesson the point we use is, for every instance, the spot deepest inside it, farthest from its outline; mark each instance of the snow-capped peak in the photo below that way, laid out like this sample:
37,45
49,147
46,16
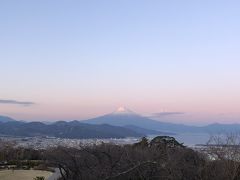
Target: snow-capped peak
123,110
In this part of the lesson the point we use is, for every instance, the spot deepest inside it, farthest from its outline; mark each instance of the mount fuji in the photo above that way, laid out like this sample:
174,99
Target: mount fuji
127,118
121,117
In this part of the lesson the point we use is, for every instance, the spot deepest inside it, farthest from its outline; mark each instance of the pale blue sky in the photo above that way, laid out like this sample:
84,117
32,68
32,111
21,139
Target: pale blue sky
78,59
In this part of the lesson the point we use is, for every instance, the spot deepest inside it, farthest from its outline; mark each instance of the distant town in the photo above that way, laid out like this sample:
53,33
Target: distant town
42,143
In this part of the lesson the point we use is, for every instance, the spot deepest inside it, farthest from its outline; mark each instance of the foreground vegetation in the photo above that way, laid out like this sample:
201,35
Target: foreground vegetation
161,158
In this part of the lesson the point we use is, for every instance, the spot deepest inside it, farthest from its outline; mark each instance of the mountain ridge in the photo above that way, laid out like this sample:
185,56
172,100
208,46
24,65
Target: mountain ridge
64,129
6,119
130,121
134,119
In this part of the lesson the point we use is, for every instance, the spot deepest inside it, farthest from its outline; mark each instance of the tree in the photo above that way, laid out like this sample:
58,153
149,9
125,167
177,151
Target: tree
162,158
223,151
39,178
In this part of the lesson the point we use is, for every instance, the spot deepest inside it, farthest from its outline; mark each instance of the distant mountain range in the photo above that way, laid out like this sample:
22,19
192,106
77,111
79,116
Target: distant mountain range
64,129
119,124
124,117
73,129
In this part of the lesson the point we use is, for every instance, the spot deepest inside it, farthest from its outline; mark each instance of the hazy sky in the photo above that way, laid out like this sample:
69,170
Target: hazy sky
63,59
